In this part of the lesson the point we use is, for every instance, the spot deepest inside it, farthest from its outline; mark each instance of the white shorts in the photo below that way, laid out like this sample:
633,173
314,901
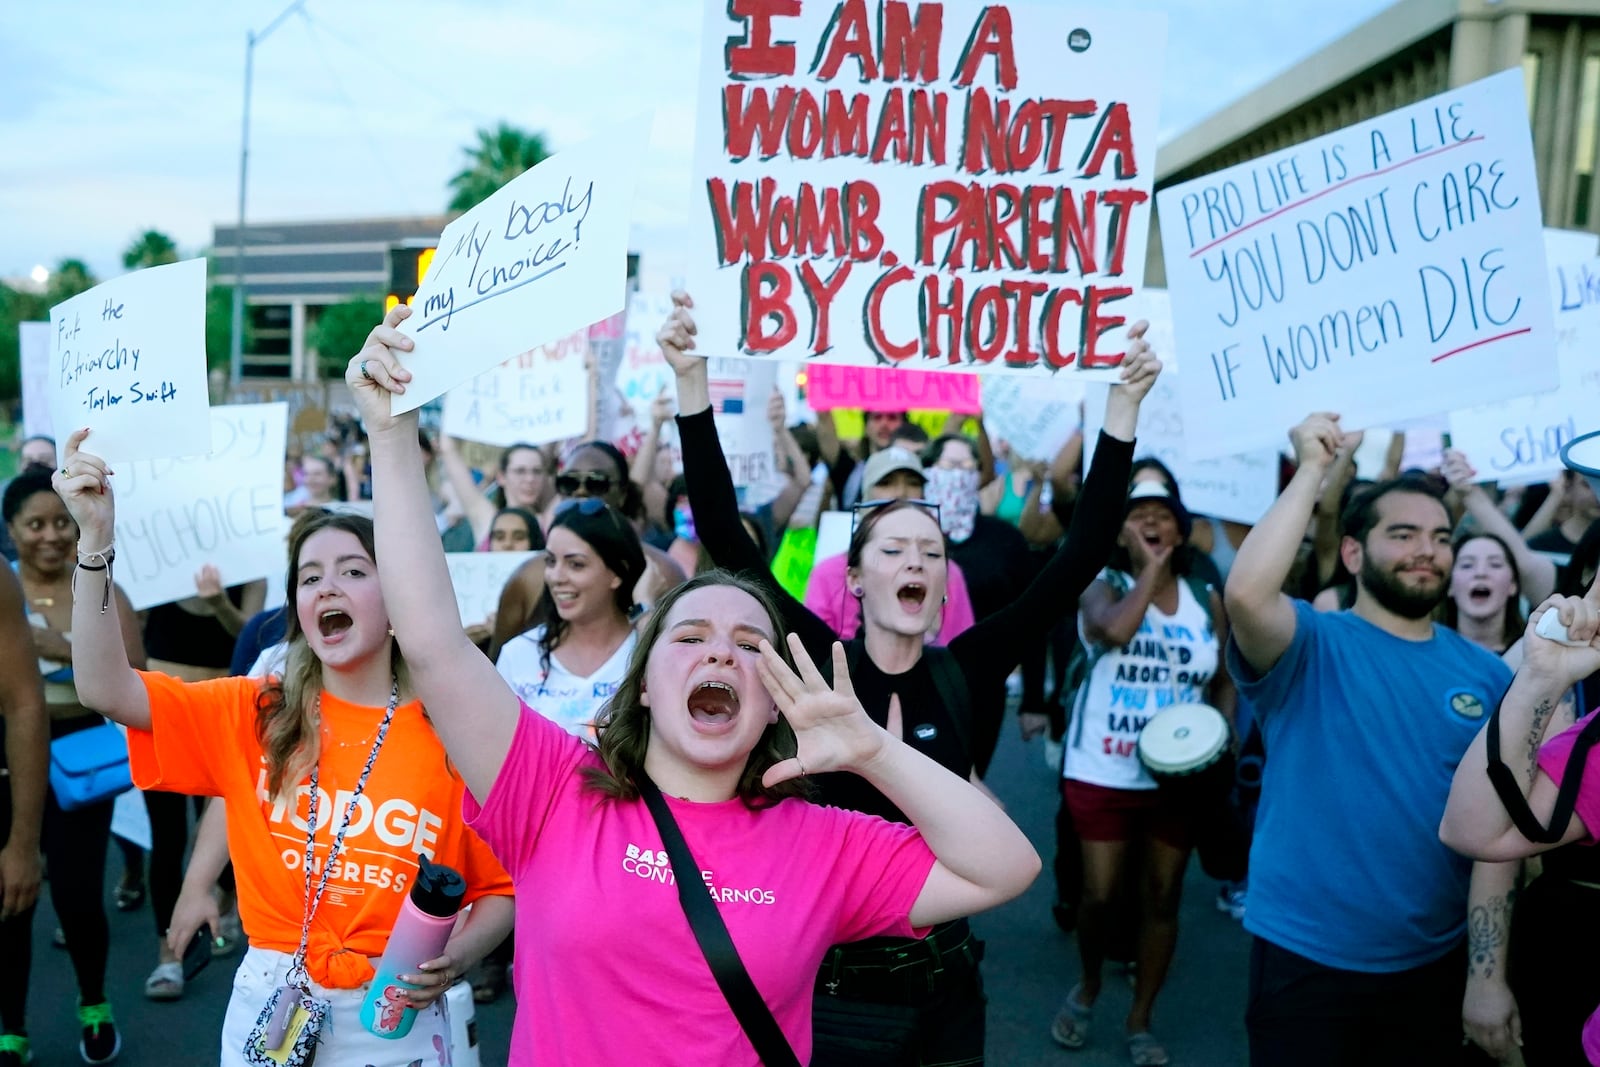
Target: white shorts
344,1039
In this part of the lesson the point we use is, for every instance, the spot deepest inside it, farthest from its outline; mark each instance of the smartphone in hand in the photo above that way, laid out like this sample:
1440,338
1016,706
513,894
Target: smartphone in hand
198,954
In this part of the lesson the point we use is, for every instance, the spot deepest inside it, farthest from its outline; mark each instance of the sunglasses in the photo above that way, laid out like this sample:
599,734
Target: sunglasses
595,483
867,507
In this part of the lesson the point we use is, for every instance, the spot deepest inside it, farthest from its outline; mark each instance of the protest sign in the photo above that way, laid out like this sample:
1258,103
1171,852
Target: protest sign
545,255
1035,418
1515,442
1390,270
643,374
963,185
740,389
890,389
536,397
478,578
226,509
833,534
606,339
128,358
33,346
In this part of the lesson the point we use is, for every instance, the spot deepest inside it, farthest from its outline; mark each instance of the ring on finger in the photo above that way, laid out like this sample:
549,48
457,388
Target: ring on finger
364,372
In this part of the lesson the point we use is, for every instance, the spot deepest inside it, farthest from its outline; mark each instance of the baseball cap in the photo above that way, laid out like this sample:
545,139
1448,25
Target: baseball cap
886,461
1147,492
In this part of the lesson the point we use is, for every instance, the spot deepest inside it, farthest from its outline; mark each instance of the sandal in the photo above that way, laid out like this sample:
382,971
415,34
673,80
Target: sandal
228,936
128,897
165,982
1070,1029
1145,1051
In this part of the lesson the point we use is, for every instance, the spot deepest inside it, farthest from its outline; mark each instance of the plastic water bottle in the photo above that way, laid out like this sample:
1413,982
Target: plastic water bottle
420,933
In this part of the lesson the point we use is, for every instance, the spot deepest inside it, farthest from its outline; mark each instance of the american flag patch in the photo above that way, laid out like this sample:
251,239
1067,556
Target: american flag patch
727,396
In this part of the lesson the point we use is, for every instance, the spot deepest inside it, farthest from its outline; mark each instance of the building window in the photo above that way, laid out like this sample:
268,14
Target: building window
1583,159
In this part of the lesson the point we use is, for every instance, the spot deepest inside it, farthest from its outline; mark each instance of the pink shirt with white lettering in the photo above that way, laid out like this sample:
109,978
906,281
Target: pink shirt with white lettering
607,969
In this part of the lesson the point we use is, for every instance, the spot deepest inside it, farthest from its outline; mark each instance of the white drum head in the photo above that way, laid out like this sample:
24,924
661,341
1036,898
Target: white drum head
1183,738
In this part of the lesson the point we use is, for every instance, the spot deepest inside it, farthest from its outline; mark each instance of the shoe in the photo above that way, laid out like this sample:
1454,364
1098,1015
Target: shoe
14,1050
1145,1051
165,982
1230,899
128,897
1070,1028
100,1043
229,936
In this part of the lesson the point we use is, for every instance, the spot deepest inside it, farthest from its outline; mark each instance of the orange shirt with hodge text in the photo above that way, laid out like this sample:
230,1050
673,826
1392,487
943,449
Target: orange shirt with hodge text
202,740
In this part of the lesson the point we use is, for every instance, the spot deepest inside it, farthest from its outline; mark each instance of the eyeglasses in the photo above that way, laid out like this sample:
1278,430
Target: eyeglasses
866,507
595,483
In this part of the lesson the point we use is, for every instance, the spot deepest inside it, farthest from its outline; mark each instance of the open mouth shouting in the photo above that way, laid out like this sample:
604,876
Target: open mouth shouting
1479,595
334,624
912,596
713,706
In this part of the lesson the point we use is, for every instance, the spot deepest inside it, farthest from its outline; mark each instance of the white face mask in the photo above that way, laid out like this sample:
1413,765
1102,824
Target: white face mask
956,493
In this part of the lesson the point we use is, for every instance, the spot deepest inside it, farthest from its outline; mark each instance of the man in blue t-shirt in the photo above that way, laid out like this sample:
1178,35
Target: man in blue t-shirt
1358,911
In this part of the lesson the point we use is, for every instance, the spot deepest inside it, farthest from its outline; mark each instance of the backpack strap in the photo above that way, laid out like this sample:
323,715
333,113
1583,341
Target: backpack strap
1510,790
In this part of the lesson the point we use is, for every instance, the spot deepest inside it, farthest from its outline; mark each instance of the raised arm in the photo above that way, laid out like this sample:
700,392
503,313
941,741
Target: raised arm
992,646
1476,822
1325,532
1262,615
711,492
983,859
1537,570
102,668
477,508
27,734
470,706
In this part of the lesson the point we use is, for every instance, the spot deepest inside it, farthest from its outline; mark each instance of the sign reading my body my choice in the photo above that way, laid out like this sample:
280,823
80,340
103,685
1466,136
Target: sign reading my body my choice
962,185
128,358
1390,270
544,256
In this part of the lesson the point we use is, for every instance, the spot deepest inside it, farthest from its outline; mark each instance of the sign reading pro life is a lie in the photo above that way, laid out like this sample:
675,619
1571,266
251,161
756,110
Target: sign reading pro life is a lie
1390,270
959,186
128,359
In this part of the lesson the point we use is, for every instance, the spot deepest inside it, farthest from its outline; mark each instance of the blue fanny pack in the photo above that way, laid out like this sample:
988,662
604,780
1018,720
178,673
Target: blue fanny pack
89,766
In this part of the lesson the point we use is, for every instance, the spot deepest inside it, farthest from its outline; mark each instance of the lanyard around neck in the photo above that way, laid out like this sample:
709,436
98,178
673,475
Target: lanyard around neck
298,975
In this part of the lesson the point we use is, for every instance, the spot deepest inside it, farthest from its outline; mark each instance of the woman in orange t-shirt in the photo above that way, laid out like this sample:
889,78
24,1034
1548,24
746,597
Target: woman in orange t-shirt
339,728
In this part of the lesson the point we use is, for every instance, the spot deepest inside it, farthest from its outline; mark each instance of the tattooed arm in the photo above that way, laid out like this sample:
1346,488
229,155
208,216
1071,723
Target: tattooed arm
1489,1011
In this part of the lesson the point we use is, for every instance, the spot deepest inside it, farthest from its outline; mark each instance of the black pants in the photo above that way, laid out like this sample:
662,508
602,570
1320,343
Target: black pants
75,848
169,841
1553,946
1304,1014
901,1003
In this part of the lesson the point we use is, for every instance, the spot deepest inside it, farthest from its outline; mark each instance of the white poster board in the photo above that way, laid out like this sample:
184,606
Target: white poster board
128,358
1515,442
226,509
740,389
1389,270
958,186
536,397
1237,487
545,255
644,374
833,534
1035,418
478,578
33,346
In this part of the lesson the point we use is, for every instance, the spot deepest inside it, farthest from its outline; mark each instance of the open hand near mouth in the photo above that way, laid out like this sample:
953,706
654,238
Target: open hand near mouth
832,729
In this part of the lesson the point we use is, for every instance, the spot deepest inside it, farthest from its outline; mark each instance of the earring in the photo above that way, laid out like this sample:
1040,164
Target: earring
945,599
391,631
856,592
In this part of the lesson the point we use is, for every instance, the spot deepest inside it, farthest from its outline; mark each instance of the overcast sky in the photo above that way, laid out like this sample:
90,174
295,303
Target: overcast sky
116,117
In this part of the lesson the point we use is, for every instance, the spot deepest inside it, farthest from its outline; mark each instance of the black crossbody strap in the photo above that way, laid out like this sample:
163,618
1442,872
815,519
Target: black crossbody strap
712,934
1510,789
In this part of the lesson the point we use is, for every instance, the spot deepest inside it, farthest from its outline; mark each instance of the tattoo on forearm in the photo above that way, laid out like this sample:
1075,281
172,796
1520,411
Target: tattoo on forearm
1536,734
1488,927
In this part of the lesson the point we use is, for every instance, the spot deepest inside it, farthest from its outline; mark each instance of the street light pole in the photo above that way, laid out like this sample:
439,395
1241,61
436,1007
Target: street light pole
236,347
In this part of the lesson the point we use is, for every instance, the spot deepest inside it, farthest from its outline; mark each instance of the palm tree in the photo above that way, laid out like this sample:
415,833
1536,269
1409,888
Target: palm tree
150,249
499,156
71,277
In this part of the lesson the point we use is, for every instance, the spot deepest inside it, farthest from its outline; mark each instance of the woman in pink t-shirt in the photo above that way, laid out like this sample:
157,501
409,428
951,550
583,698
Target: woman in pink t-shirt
608,969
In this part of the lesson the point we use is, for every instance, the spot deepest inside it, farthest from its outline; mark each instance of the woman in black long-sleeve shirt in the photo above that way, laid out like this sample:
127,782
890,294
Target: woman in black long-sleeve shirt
875,1003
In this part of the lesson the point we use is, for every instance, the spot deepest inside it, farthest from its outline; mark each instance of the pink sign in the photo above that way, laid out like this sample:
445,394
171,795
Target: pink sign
889,389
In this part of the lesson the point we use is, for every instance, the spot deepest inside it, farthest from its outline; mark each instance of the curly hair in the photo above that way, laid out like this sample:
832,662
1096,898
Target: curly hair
624,723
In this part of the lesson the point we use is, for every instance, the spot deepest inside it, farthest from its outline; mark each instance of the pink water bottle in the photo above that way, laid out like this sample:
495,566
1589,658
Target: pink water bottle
426,919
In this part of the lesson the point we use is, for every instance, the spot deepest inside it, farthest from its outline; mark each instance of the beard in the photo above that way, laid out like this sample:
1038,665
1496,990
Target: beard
1405,601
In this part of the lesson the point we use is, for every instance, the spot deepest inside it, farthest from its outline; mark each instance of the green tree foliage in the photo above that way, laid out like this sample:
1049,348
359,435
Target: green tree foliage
219,327
18,306
499,156
71,277
150,249
340,331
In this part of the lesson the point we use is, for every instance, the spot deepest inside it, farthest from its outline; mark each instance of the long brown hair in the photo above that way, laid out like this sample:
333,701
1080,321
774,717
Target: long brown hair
284,726
624,722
